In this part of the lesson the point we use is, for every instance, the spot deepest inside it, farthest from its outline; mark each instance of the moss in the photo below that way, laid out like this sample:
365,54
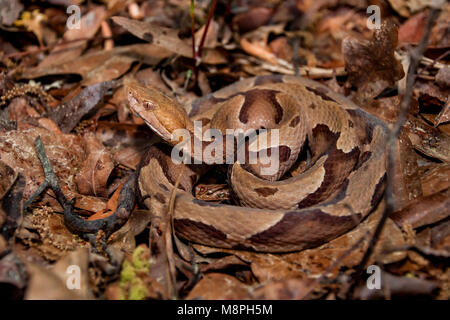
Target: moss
138,290
132,286
140,258
128,273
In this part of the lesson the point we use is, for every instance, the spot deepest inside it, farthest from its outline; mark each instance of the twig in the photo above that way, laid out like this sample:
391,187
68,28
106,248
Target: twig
415,56
50,178
430,253
197,51
168,237
208,21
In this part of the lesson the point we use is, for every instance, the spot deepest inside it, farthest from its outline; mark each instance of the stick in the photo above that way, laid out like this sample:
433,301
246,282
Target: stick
415,57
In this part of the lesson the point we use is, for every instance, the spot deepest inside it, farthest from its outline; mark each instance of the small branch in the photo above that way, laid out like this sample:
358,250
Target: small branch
169,231
415,57
194,50
208,21
50,178
197,51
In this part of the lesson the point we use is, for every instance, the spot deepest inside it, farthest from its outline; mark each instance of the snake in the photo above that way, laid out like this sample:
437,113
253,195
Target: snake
307,202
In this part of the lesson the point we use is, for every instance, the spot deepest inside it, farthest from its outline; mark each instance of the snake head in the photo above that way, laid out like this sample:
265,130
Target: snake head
160,112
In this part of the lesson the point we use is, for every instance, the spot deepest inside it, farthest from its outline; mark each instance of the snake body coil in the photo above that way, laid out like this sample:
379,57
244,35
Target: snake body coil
340,185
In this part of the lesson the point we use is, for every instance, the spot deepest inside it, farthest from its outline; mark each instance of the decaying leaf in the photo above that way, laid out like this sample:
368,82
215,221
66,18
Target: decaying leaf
75,40
397,287
166,38
57,283
64,151
371,65
427,139
425,210
11,207
252,19
68,115
9,11
94,174
89,65
436,179
13,277
407,186
219,286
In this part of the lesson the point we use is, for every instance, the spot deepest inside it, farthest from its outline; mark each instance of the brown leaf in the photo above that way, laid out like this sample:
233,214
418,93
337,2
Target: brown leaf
439,234
411,31
11,205
126,142
406,181
219,286
252,19
430,95
371,66
211,37
281,48
51,284
424,211
427,139
50,236
67,115
258,50
223,263
65,153
395,286
94,174
88,65
166,38
71,49
7,178
13,277
9,11
443,77
436,179
286,289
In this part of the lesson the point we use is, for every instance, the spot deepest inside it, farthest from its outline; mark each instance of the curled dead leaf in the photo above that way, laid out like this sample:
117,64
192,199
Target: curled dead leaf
93,177
371,65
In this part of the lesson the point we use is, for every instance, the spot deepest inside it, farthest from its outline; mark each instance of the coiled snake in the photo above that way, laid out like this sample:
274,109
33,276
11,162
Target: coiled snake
340,185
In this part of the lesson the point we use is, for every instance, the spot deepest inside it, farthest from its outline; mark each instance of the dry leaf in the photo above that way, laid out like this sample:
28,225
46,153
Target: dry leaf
219,286
67,115
424,211
436,179
56,283
166,38
9,11
93,177
406,179
371,66
252,19
88,65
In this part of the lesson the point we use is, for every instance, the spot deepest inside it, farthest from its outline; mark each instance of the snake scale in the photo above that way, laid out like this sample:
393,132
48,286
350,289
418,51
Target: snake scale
340,184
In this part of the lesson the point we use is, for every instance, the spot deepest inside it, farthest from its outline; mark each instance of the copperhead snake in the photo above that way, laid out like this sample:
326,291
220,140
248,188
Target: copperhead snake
341,184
